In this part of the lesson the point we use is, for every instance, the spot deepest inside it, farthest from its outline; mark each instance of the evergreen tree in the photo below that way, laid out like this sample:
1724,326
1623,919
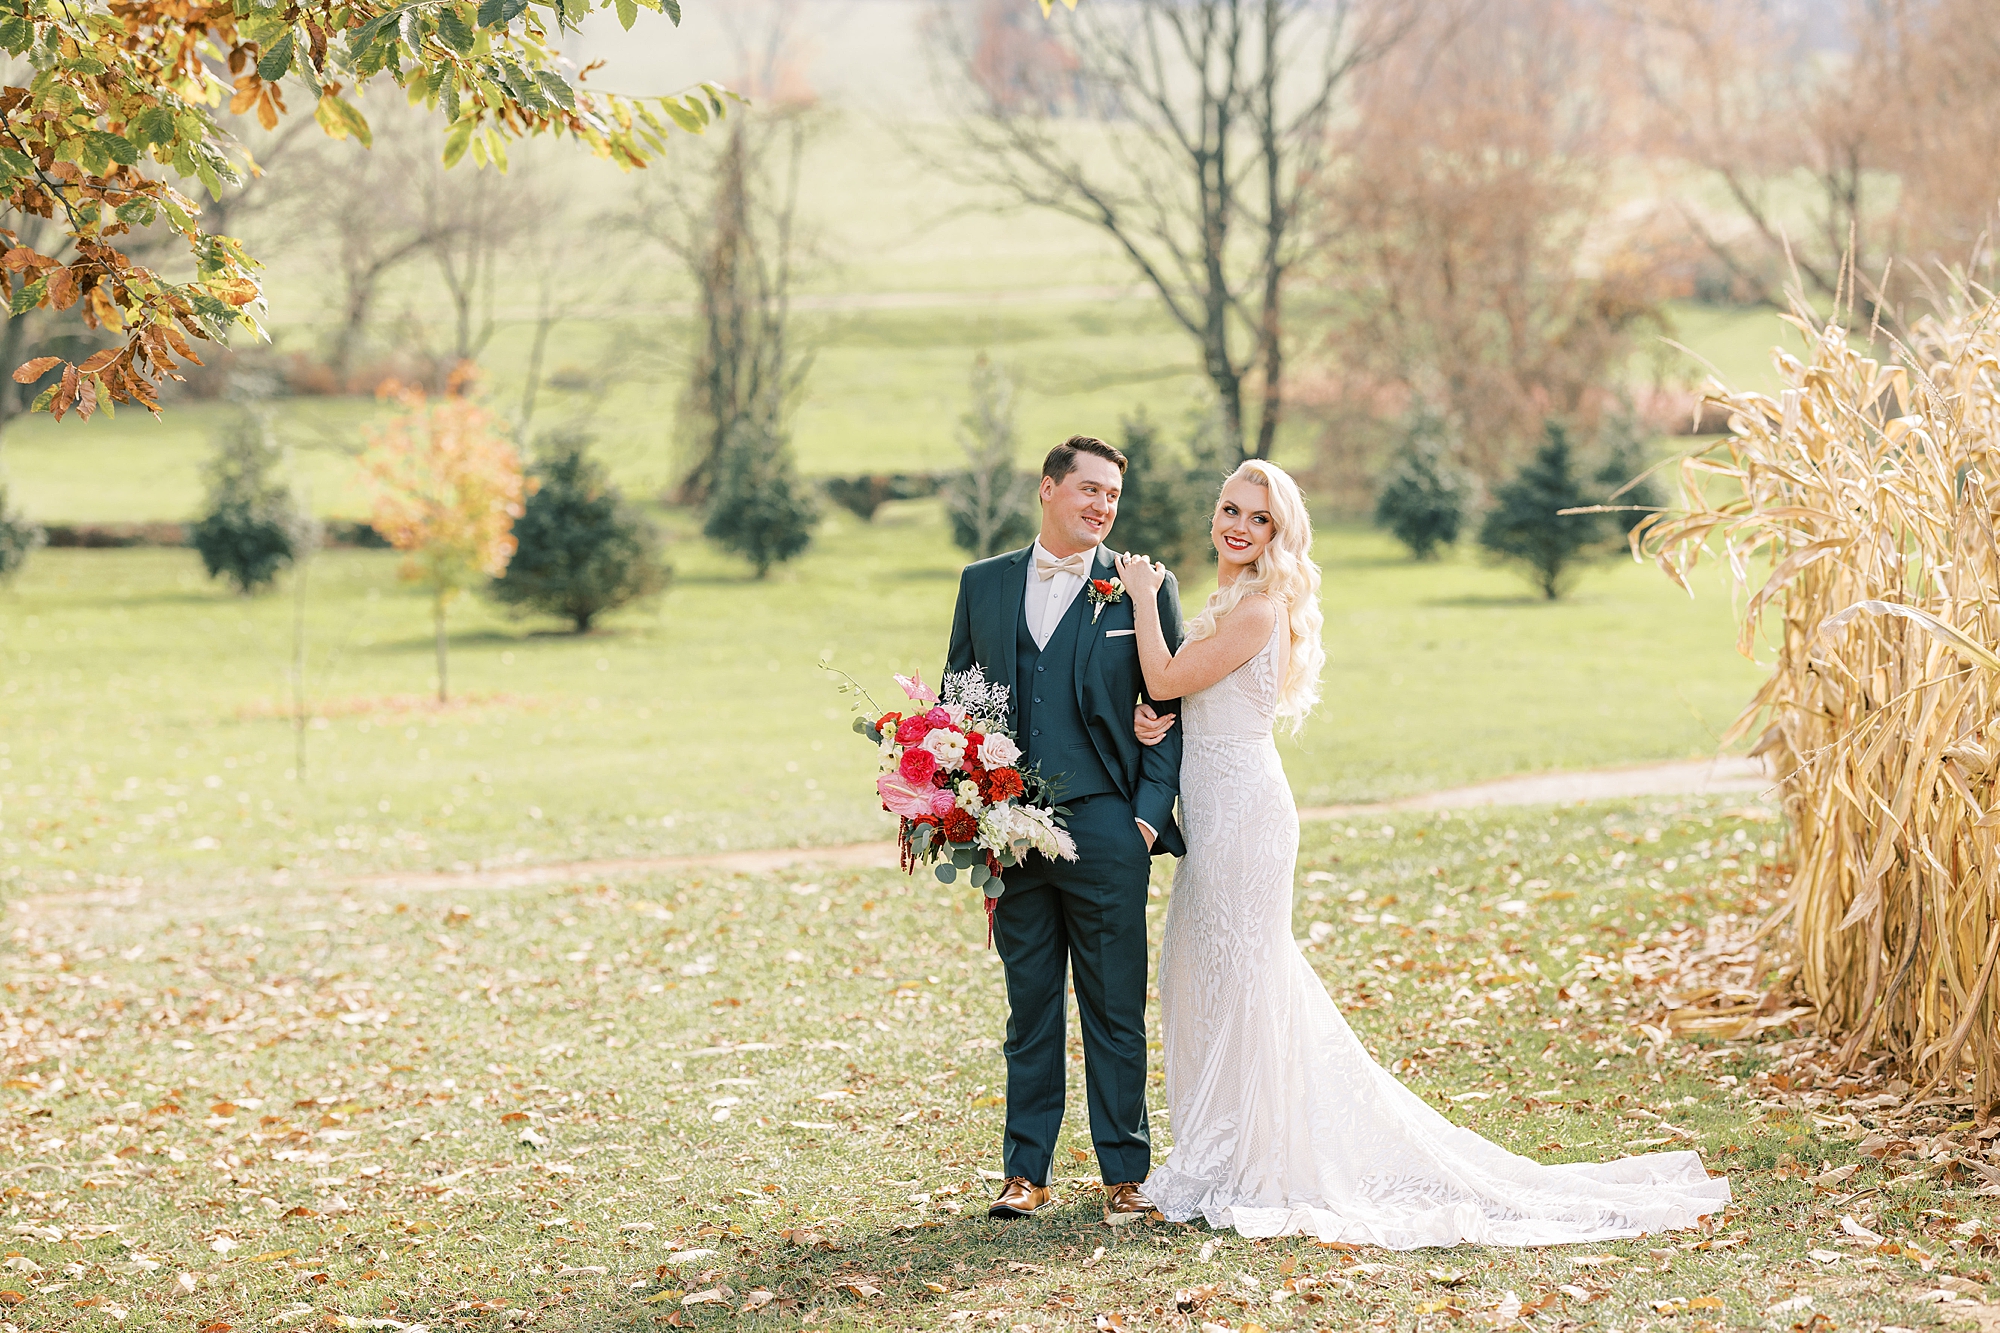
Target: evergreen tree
1425,494
18,539
581,548
992,502
249,528
1525,525
1626,447
760,507
1164,509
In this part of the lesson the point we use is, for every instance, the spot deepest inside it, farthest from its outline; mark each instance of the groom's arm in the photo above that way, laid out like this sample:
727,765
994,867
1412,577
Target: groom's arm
1160,765
958,657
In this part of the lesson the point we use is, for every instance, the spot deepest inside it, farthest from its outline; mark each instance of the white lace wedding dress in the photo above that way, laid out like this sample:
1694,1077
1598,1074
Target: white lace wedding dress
1281,1120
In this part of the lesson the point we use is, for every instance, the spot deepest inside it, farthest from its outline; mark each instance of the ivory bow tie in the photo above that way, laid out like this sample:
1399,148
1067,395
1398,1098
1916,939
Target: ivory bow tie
1078,565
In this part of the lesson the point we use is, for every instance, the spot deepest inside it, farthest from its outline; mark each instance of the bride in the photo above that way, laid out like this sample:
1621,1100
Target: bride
1282,1121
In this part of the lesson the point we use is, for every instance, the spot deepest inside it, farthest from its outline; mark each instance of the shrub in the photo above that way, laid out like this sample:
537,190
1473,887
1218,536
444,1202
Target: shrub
862,496
1165,507
1425,494
1525,525
18,539
992,502
760,507
249,528
580,548
448,487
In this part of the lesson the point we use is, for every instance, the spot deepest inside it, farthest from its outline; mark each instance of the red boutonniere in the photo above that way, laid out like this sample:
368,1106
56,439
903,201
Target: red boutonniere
1102,593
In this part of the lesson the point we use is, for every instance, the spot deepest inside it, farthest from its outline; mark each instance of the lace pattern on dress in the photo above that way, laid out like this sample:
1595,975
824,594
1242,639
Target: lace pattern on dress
1282,1122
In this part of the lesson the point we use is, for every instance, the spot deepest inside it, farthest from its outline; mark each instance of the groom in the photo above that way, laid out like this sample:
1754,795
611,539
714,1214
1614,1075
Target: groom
1033,620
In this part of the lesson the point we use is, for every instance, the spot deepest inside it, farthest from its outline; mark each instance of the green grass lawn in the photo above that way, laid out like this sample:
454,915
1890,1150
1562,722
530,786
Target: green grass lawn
148,728
886,393
609,1106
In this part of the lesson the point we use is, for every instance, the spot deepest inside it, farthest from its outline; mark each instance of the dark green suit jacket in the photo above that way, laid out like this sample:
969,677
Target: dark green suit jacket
1109,684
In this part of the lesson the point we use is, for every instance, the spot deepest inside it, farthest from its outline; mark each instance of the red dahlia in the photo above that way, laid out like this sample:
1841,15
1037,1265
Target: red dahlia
1003,784
959,826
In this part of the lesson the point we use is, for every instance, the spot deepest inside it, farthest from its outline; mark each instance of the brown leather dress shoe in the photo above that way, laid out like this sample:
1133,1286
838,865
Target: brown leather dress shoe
1125,1203
1018,1198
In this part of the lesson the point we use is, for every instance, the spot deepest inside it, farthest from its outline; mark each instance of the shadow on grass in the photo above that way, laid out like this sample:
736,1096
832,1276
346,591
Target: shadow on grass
218,598
425,645
966,1255
1490,601
1390,561
746,579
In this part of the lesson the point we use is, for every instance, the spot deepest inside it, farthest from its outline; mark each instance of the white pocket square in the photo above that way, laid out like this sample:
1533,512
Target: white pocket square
1119,633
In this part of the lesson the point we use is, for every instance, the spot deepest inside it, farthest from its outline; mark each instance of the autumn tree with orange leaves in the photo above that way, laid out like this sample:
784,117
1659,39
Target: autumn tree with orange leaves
114,113
448,486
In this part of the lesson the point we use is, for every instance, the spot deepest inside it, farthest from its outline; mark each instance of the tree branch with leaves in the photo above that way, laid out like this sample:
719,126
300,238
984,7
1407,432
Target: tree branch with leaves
117,111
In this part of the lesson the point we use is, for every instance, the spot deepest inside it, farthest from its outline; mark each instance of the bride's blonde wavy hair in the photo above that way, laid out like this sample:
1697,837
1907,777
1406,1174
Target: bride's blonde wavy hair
1287,575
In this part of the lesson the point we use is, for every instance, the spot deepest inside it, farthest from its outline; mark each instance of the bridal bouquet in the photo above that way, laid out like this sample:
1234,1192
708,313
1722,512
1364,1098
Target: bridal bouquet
952,772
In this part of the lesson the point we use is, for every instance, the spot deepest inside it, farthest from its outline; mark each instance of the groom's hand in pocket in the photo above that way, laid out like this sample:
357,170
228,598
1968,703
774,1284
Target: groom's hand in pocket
1146,832
1151,728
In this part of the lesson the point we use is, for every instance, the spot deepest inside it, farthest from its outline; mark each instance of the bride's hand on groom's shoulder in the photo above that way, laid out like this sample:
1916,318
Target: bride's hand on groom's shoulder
1140,575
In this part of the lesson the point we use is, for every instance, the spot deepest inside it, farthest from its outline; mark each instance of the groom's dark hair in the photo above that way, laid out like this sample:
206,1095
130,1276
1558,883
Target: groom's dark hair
1062,459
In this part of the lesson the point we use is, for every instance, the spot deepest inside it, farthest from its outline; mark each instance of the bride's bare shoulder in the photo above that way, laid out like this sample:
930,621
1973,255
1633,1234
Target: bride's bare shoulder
1254,614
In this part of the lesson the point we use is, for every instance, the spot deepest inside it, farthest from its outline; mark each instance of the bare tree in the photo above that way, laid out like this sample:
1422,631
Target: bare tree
364,216
1474,267
473,221
1838,155
1194,133
732,228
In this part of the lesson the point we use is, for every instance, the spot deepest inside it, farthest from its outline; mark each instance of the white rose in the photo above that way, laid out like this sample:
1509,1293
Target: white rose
998,752
947,746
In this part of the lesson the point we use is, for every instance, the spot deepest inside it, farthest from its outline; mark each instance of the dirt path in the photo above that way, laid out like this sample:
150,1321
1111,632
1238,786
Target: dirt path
1687,778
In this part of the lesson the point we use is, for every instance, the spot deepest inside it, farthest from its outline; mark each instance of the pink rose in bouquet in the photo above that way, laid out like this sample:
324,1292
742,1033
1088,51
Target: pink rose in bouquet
998,751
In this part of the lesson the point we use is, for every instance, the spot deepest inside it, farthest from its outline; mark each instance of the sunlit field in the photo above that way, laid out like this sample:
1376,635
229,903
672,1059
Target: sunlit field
151,726
668,1099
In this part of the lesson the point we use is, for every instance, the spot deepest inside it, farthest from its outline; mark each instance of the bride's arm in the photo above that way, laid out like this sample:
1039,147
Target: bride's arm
1199,664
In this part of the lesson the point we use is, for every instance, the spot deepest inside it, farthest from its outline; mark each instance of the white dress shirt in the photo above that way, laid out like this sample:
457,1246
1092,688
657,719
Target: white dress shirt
1048,599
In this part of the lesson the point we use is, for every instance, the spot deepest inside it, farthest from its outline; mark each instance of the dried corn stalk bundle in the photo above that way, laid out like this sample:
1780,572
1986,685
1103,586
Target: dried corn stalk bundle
1858,509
